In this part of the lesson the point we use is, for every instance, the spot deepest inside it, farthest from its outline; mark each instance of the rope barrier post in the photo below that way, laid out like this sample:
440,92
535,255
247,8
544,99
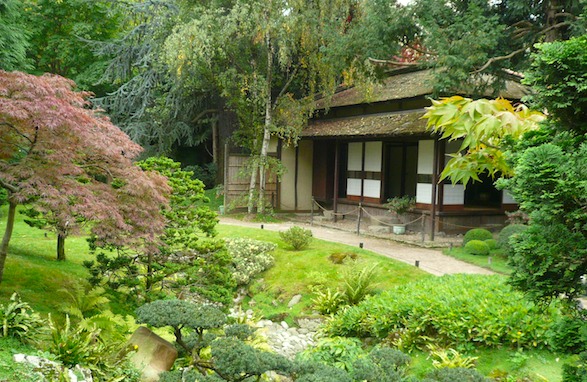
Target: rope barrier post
312,212
423,227
359,219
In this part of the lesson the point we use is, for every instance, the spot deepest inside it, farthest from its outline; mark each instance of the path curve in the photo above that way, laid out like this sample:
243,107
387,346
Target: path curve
430,260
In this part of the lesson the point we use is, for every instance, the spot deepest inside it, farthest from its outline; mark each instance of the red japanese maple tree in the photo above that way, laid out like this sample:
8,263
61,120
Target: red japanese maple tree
68,160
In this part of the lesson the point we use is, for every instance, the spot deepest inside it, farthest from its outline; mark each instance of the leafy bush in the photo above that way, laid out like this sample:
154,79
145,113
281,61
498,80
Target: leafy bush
491,243
569,335
577,370
206,173
297,237
455,374
477,247
340,257
400,204
451,311
443,358
249,258
503,239
358,284
328,301
477,234
18,319
340,352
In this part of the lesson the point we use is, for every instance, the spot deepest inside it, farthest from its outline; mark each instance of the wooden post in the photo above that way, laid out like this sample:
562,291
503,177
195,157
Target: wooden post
423,227
359,215
312,212
336,175
434,189
226,158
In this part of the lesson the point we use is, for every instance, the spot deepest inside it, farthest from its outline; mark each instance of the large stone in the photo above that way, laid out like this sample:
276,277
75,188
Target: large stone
154,355
294,300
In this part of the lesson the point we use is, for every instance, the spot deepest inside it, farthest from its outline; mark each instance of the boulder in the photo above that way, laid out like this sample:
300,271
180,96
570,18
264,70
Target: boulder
153,356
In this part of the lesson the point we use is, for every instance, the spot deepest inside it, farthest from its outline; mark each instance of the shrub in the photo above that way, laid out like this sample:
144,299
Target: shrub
340,257
358,284
249,258
400,204
340,352
206,173
443,358
297,237
491,243
477,247
489,314
455,374
569,335
477,234
328,301
503,239
577,370
18,319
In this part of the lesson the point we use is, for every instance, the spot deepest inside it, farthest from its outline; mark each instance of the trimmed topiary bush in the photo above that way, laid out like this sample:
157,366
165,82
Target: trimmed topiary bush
477,247
297,237
503,239
477,234
455,374
491,243
249,258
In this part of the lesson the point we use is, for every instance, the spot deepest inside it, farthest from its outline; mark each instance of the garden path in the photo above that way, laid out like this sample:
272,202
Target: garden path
430,260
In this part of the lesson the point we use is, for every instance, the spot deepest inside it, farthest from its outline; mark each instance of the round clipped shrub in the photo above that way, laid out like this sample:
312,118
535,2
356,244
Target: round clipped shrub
477,247
491,243
503,239
477,234
297,237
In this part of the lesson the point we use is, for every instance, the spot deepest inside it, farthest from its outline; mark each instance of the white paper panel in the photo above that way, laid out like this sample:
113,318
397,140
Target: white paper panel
373,156
355,156
425,156
353,187
454,195
424,193
508,198
372,188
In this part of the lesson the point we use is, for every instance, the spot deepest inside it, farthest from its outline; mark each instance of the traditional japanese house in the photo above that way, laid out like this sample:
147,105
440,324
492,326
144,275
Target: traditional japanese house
371,146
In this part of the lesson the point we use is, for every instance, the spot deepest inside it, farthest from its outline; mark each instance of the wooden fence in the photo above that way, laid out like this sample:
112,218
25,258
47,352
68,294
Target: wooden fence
236,183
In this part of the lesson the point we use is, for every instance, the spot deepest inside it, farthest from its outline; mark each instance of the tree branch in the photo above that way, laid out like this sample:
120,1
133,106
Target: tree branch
203,113
8,186
18,131
499,58
283,90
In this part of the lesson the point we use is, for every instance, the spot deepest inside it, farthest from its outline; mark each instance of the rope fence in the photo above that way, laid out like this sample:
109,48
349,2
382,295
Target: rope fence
426,221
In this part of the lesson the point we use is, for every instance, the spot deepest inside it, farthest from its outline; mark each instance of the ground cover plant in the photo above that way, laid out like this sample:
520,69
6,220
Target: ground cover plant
458,311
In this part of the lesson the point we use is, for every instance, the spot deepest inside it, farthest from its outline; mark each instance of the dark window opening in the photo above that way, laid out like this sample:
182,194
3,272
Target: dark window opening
483,194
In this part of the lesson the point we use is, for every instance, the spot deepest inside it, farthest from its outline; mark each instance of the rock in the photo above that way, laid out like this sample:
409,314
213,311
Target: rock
154,355
294,300
284,325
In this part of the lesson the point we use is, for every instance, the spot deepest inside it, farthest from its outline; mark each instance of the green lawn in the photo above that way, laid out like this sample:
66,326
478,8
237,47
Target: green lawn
496,261
296,272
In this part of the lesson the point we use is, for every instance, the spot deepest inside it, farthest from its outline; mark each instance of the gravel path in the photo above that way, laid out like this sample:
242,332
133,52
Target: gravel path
430,260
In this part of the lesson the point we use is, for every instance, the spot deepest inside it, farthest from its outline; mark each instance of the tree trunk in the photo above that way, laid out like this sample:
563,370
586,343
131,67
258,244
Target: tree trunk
267,128
60,247
7,236
252,184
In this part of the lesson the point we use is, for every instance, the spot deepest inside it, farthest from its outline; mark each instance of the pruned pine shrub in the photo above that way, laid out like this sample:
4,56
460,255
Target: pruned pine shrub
249,258
297,237
424,312
477,247
503,239
477,234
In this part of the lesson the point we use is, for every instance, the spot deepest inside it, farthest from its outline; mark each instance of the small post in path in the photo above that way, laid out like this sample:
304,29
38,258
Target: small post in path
359,219
312,212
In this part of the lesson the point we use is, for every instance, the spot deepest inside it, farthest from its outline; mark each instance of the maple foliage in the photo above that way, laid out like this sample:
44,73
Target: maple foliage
482,126
70,161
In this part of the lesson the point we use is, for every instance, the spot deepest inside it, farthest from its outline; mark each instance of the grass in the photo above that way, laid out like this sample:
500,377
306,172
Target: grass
496,261
10,370
296,272
32,269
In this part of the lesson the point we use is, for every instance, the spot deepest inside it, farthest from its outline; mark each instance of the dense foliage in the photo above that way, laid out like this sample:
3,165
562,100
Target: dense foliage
477,247
506,234
297,237
189,260
249,258
60,155
457,311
